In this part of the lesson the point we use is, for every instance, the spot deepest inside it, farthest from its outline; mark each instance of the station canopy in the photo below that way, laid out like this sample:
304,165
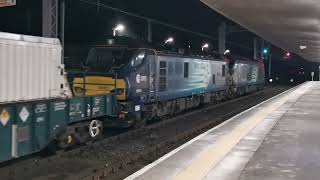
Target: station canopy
293,25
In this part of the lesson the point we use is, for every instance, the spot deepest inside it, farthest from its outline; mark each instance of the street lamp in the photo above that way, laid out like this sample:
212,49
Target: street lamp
119,28
205,46
169,40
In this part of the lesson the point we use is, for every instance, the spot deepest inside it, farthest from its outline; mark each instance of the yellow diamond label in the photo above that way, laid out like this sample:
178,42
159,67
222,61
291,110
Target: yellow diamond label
4,117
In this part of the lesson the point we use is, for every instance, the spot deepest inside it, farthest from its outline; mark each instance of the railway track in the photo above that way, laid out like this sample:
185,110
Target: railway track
118,156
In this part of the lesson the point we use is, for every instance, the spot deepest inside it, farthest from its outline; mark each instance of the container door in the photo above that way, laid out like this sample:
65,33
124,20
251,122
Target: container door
6,122
152,80
58,117
24,129
98,104
110,105
78,109
41,127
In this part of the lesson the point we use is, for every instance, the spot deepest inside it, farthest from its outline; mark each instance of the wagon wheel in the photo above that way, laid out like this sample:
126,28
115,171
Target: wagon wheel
65,140
95,128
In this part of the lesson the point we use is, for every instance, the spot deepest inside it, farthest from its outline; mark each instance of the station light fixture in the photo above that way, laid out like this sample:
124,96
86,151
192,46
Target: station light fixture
227,52
169,40
206,45
119,27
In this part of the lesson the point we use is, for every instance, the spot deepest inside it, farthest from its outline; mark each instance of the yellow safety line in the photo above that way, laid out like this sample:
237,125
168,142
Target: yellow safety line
201,166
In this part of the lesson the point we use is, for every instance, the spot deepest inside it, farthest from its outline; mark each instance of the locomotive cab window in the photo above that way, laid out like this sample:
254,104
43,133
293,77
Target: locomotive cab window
186,70
213,79
223,70
138,58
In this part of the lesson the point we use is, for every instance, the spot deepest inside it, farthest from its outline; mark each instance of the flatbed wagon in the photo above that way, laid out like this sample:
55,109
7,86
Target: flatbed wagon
28,127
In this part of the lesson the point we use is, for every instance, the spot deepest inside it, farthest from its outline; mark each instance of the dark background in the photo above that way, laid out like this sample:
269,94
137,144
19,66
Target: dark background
87,24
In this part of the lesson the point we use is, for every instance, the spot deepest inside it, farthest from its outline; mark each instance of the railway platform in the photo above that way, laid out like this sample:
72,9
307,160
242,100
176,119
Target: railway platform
276,139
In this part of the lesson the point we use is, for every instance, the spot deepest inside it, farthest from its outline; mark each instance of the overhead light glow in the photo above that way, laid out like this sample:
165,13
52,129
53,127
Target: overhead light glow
119,27
227,52
303,47
169,40
206,45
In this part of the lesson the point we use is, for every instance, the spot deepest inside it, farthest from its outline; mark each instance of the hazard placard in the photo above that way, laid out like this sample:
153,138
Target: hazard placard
24,114
4,117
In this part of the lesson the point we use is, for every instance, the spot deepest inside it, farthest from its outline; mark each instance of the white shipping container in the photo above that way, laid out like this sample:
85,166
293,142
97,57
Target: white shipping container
4,3
30,68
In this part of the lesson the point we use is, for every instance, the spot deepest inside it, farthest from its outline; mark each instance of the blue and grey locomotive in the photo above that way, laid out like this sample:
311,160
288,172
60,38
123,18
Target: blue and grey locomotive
165,83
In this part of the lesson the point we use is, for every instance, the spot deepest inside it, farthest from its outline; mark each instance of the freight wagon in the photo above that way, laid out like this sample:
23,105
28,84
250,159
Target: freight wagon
37,107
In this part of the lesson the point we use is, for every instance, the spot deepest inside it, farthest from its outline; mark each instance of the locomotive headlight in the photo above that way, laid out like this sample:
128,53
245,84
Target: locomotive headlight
78,90
120,91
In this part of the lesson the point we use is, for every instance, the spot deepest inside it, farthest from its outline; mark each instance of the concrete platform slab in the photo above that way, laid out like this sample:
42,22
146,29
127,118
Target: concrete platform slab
277,139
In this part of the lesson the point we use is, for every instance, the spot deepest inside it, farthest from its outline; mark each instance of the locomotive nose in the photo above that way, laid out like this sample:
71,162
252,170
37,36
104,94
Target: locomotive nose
95,85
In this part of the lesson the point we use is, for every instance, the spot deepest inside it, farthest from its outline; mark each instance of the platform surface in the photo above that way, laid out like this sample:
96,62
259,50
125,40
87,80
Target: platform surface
277,139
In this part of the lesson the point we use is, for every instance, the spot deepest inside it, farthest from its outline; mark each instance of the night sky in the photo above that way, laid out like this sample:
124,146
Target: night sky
87,24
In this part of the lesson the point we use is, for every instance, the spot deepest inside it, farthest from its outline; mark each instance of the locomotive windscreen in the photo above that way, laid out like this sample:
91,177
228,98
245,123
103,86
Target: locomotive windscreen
105,59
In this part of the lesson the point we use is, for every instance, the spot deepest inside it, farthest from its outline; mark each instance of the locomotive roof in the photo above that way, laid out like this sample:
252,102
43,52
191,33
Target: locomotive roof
129,43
